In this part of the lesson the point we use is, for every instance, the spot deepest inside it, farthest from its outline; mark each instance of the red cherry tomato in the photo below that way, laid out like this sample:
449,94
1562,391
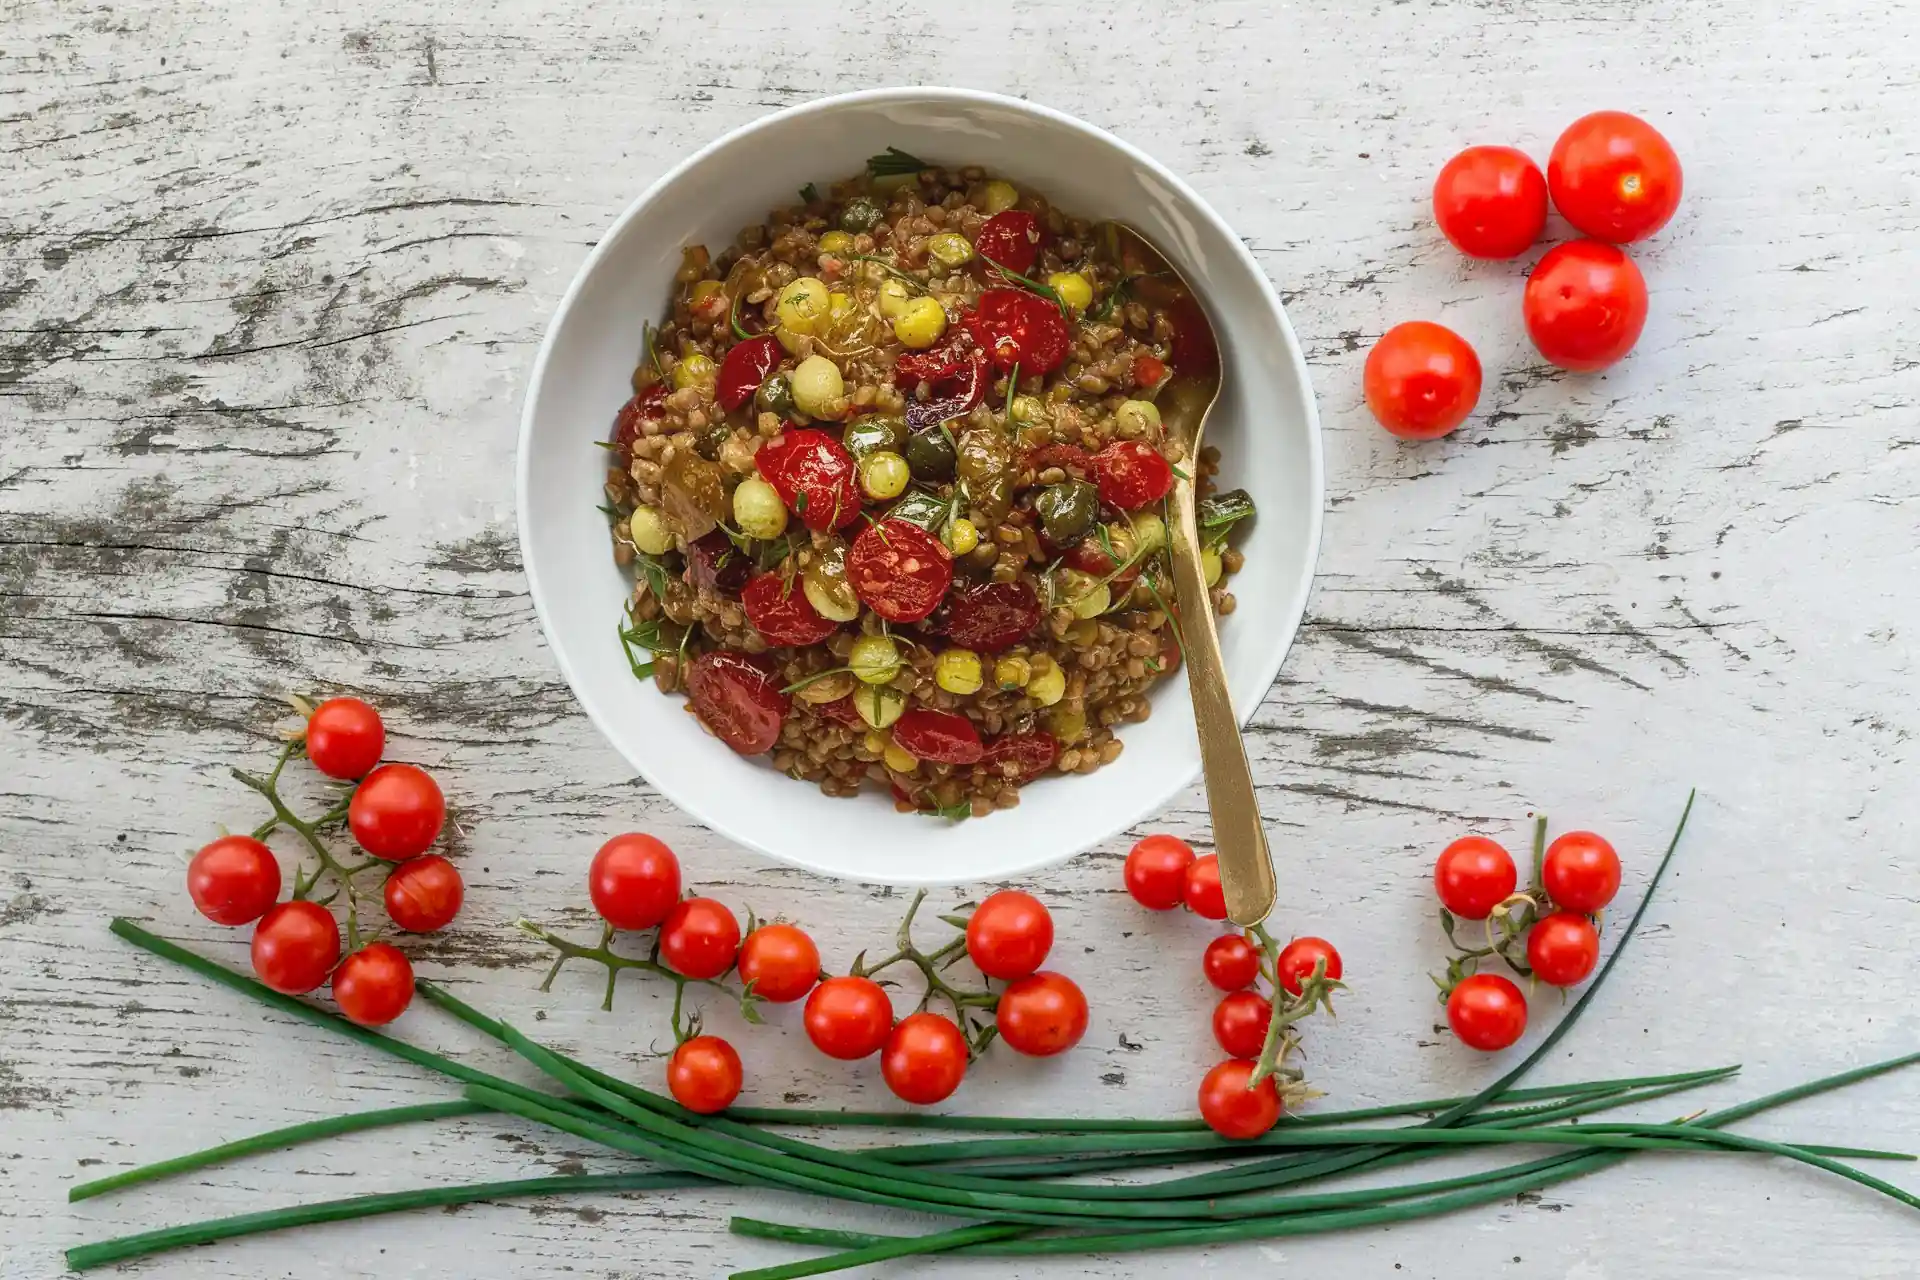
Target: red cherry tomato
1585,305
1614,177
956,381
841,711
1009,934
1019,328
295,947
716,564
899,570
1010,239
944,737
1131,474
747,366
629,424
374,985
1422,380
848,1018
1203,893
924,1058
1487,1012
1230,1108
990,616
1563,949
780,961
1156,872
1021,757
1240,1023
1581,872
1041,1015
424,894
1473,875
704,1075
397,812
1299,958
233,880
1231,962
345,738
1491,202
780,611
814,475
1089,556
634,881
1148,370
699,939
736,697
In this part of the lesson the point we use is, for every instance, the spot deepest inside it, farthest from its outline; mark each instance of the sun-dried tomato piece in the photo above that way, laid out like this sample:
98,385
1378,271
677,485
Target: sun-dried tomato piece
738,698
990,616
1021,757
944,737
780,611
814,475
899,570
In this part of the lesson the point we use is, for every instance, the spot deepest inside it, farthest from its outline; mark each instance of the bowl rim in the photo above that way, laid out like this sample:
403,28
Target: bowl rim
1247,701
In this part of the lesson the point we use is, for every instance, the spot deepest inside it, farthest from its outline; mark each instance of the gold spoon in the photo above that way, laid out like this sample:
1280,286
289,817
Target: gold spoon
1240,838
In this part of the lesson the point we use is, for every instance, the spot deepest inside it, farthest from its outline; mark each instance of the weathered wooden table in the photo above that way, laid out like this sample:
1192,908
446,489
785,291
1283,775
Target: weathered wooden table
272,281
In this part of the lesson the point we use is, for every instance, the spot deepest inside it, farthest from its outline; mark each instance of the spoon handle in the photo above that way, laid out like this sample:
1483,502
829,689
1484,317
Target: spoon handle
1239,836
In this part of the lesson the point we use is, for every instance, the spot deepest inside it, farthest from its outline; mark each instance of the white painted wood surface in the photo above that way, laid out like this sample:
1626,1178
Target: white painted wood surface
271,281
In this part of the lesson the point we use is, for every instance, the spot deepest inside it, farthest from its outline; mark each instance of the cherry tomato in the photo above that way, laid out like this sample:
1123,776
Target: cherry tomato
716,564
924,1058
814,475
1041,1015
780,961
1009,934
735,696
1422,380
990,616
848,1018
295,947
1203,894
649,406
1021,757
1148,370
1156,872
780,611
944,737
699,939
1240,1023
1230,1108
345,738
1090,557
1019,328
1487,1012
1231,962
397,812
1581,872
634,881
1585,305
1131,474
1473,876
1299,958
899,570
1491,202
704,1075
233,880
1563,949
424,894
746,366
374,985
1614,177
841,711
1010,239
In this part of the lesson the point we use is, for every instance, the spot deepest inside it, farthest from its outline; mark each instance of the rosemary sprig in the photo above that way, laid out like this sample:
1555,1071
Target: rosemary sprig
1046,291
733,320
902,276
815,678
894,163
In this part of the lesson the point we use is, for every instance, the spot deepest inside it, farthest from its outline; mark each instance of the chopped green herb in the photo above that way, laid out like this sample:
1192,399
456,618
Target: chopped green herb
1013,385
1173,619
959,811
648,336
608,445
740,541
1218,514
1179,471
733,321
815,678
1046,291
889,268
651,638
893,162
809,194
654,572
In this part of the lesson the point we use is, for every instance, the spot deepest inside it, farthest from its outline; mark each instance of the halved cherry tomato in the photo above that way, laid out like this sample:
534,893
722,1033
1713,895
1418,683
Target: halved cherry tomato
990,616
1205,897
1491,202
1148,370
1041,1015
1089,556
396,812
1020,328
699,939
1230,962
955,371
1021,757
704,1075
649,406
1131,474
233,880
295,946
781,612
899,570
1585,305
1156,872
738,699
634,881
941,360
925,1058
814,475
780,961
374,985
1233,1110
745,368
424,894
1421,380
716,564
345,738
1010,239
1614,177
944,737
1299,958
842,711
1009,934
848,1018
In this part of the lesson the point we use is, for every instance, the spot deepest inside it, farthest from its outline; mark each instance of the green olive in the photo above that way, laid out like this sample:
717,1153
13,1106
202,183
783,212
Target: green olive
874,432
1067,509
985,465
708,443
775,396
930,454
922,509
859,215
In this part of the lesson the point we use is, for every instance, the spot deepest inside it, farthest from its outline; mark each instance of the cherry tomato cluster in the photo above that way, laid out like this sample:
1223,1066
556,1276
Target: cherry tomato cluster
394,812
1244,1096
1617,181
635,883
1551,932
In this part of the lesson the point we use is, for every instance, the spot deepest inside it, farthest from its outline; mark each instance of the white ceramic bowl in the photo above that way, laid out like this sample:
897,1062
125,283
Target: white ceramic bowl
1265,426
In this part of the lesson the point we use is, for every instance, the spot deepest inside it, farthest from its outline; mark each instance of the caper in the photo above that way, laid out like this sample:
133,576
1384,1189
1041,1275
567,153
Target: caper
709,441
775,396
930,456
874,432
859,215
1067,509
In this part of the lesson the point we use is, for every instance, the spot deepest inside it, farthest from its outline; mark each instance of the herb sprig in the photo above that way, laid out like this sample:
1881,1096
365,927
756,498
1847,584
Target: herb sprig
1028,283
895,163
